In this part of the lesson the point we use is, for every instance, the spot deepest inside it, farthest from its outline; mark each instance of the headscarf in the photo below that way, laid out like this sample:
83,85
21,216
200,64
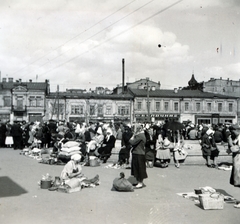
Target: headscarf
76,157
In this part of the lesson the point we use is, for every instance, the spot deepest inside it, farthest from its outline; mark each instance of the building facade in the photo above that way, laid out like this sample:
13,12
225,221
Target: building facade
183,105
89,107
225,87
22,100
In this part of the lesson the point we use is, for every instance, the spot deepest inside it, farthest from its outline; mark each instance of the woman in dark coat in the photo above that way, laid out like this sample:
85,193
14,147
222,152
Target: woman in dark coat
138,166
124,153
16,132
150,146
108,144
3,130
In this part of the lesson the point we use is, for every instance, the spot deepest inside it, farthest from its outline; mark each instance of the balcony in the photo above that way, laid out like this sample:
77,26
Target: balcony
19,108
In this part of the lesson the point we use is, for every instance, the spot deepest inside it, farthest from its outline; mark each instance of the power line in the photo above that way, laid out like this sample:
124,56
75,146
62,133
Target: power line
97,33
155,14
74,37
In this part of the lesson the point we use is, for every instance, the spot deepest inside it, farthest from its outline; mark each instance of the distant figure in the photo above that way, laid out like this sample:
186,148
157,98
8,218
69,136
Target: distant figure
16,132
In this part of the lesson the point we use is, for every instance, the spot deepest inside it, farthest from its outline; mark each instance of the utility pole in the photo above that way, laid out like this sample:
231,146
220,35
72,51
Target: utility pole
148,106
123,75
57,102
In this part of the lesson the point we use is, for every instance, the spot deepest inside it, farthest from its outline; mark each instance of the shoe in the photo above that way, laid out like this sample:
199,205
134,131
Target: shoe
213,166
237,206
104,161
177,165
139,185
95,180
209,166
53,188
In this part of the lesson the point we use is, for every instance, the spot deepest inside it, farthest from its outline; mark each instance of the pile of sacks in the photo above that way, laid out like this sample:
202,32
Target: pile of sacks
68,149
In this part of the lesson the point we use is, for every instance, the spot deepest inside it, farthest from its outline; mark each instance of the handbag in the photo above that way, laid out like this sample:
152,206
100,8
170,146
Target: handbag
122,184
180,154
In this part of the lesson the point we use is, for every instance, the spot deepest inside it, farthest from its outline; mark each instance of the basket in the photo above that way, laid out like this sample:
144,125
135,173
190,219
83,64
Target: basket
211,201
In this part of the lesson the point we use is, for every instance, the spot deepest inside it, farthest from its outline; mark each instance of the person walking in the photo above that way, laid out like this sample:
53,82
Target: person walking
138,164
234,148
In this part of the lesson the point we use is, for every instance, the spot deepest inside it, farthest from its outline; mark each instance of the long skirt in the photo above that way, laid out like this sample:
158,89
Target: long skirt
150,154
138,167
235,175
163,154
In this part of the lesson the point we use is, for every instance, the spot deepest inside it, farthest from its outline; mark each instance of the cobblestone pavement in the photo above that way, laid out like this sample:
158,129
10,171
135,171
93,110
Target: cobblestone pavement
23,202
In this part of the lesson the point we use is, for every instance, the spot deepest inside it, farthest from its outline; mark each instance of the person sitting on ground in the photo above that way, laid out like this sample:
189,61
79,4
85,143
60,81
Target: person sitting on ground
72,174
95,143
108,144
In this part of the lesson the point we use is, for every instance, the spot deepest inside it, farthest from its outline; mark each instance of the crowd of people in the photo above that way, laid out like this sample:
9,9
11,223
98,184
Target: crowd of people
147,144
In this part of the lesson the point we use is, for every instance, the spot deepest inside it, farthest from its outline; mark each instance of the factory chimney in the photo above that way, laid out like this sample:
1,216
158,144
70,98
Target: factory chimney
123,74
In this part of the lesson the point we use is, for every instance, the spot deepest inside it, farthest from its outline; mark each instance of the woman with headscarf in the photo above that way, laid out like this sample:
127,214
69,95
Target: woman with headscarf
209,147
108,144
72,176
138,165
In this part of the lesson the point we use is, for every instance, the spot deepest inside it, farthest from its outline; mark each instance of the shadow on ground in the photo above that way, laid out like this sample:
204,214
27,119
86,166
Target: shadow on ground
8,188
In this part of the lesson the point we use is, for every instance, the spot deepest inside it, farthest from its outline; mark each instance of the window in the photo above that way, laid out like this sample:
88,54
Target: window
92,109
39,101
32,101
7,101
123,110
20,102
176,106
76,109
166,106
157,106
148,104
108,110
139,105
186,106
209,107
100,110
219,107
198,107
230,107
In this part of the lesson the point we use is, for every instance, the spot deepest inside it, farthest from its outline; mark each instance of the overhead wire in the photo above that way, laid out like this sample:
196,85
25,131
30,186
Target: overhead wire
98,33
142,21
75,37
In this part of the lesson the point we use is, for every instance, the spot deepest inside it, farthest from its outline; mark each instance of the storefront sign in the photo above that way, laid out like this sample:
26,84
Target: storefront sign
158,115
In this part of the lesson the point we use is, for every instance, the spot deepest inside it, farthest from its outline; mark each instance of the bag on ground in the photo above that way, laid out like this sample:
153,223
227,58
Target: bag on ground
122,184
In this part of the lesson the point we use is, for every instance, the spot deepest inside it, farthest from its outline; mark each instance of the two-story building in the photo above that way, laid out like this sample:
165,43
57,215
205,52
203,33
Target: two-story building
22,100
183,105
89,107
225,87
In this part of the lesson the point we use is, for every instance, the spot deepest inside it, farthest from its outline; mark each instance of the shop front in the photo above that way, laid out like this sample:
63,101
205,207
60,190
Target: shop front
214,119
157,117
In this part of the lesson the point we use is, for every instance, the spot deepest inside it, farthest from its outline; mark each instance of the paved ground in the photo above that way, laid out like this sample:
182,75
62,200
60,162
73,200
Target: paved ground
23,202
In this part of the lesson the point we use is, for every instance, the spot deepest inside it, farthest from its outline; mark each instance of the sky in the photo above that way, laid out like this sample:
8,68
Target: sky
80,44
